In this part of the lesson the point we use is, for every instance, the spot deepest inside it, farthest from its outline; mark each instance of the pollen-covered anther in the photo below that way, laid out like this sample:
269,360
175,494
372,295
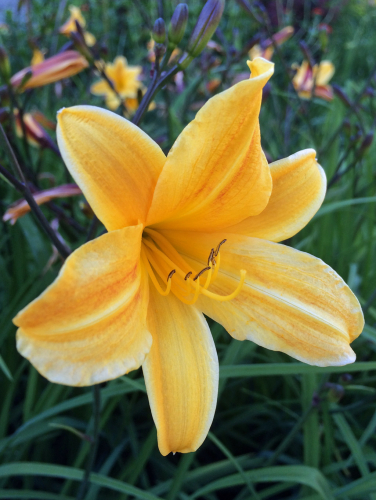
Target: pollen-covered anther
171,274
201,272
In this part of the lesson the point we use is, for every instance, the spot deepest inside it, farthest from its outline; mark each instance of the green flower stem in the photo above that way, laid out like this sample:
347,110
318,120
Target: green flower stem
93,445
153,88
25,190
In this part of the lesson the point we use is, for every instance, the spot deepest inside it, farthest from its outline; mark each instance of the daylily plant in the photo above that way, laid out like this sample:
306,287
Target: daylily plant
126,82
70,25
189,234
266,48
308,80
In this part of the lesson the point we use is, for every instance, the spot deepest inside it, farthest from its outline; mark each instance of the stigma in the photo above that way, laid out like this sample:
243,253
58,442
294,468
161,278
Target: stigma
165,265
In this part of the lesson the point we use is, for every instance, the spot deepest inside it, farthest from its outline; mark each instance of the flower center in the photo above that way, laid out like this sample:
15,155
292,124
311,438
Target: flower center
161,260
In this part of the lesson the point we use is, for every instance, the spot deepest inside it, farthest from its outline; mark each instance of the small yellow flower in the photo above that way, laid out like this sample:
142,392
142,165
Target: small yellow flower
125,80
308,79
51,70
189,234
38,57
70,25
266,49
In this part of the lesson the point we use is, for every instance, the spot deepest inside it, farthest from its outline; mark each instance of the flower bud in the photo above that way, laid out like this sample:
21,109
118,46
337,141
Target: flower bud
205,27
366,144
80,45
339,92
53,69
4,65
4,114
335,392
159,31
178,24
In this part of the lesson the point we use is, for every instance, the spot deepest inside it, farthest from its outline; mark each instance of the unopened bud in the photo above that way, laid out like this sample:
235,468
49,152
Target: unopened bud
159,31
339,92
178,24
345,378
4,65
366,144
80,45
335,393
159,50
205,27
4,114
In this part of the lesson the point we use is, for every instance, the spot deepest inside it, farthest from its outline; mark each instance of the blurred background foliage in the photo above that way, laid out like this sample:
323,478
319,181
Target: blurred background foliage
282,430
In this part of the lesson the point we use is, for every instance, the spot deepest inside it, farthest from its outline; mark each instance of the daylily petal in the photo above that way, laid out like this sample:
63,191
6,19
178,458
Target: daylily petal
114,163
101,87
216,173
325,71
325,92
181,374
299,185
290,302
90,324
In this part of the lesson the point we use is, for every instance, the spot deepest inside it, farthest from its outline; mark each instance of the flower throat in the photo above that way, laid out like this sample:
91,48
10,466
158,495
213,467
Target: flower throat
161,259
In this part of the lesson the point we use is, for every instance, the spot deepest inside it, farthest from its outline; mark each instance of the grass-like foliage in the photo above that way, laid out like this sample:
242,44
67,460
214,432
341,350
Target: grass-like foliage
282,429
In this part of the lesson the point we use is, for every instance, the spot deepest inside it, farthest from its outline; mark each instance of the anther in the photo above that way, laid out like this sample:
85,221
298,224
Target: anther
218,247
171,274
211,256
188,275
201,272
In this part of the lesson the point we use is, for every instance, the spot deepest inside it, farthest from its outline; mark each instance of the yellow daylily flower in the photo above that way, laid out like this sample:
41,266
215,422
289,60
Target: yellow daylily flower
266,48
70,25
38,57
308,79
191,233
125,80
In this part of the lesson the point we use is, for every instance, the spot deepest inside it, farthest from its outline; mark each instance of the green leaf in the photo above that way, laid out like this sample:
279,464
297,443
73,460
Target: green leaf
40,469
295,474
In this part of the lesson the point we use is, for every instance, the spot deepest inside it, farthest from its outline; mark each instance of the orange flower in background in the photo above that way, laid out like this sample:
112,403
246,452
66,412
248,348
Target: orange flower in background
308,80
266,48
70,25
189,234
125,79
51,70
21,207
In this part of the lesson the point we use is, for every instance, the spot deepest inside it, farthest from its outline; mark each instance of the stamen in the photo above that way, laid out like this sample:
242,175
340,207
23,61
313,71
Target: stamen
225,298
188,275
171,274
197,293
219,246
153,277
201,272
211,256
216,266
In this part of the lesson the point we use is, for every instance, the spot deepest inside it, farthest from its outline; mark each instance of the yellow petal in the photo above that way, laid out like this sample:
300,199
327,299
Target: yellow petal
290,302
89,39
299,186
101,87
112,101
114,163
325,71
90,324
181,374
216,173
